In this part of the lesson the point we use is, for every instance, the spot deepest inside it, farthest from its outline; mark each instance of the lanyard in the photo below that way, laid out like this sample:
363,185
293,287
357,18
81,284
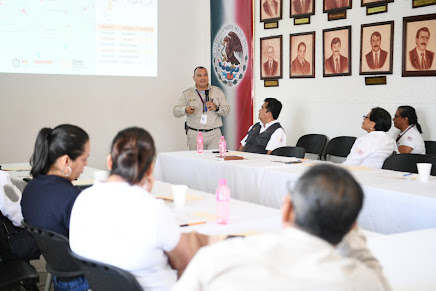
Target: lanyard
403,133
202,101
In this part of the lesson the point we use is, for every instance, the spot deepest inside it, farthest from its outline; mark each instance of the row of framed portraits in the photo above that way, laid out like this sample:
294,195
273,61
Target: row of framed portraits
271,10
376,50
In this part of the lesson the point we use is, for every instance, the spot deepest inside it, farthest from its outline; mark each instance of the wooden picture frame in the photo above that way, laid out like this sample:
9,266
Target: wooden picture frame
336,5
419,36
271,57
376,48
270,10
337,51
374,2
302,55
301,8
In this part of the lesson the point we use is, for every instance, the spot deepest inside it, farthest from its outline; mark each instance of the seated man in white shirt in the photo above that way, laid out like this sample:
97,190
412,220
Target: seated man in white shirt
319,248
266,135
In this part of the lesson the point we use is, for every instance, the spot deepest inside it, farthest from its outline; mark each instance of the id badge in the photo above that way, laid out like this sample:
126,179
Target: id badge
203,119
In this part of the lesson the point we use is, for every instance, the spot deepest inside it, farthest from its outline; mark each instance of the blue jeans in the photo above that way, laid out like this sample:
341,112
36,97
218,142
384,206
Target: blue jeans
79,284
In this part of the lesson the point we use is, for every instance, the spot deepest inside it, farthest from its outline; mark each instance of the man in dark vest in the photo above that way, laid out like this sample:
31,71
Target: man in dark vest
266,135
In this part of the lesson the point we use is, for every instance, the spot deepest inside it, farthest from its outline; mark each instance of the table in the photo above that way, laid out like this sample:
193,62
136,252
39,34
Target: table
393,203
19,171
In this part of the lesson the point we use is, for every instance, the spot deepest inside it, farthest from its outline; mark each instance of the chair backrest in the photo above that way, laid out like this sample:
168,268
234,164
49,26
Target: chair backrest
339,146
407,163
297,152
430,147
104,277
313,143
18,273
54,247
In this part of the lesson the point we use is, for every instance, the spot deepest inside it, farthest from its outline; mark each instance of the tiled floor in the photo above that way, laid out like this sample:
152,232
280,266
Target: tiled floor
40,268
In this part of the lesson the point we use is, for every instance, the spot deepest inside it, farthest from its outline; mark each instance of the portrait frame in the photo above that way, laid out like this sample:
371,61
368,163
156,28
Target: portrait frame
384,63
274,42
265,16
327,7
295,69
344,59
412,63
295,14
374,2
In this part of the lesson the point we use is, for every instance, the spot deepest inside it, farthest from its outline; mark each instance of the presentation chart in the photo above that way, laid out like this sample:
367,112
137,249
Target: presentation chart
81,37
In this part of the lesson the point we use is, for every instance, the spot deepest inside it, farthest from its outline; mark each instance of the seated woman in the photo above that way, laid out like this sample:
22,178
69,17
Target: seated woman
371,150
59,157
410,139
119,223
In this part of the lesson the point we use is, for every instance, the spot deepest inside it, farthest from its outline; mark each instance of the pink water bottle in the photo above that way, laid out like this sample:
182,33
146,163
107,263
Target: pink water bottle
223,202
199,143
223,147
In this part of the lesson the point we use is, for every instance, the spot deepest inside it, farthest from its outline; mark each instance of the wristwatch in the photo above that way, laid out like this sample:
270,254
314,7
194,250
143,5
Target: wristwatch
217,108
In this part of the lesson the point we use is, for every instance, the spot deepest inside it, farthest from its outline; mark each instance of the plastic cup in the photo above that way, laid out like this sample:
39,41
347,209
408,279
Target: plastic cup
424,170
179,195
101,176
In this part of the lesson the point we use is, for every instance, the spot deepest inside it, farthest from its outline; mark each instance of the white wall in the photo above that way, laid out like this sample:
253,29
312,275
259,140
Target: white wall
335,105
104,105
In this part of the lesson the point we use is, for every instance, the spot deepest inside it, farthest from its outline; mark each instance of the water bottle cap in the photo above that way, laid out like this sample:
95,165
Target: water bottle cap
222,136
199,133
223,182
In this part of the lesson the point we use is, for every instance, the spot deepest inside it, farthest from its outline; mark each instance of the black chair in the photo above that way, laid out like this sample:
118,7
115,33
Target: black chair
104,277
16,274
407,163
313,143
430,147
297,152
339,146
54,248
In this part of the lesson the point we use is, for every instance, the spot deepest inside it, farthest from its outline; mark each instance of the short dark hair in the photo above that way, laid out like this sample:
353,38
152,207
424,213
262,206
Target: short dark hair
301,44
382,119
335,41
132,154
377,34
326,201
425,29
64,139
410,113
274,106
199,67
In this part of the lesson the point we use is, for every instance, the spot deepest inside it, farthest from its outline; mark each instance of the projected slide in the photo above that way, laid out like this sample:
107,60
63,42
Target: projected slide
80,37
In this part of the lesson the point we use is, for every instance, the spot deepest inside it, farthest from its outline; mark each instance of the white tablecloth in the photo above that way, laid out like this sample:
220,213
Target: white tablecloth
393,203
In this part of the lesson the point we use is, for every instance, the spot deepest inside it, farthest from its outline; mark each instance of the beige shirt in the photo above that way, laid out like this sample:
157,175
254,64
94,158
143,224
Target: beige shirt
290,260
190,98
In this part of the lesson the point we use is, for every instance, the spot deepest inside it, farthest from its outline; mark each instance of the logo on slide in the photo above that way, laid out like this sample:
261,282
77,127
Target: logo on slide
230,55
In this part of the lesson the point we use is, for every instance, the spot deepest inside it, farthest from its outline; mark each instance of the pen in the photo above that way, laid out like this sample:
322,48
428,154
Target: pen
194,223
405,175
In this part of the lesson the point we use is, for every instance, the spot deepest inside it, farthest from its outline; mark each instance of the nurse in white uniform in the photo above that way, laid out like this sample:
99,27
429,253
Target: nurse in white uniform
371,150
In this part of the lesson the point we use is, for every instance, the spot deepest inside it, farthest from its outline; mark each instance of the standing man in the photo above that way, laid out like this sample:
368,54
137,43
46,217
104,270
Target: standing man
271,66
299,65
266,135
376,58
420,57
203,106
337,63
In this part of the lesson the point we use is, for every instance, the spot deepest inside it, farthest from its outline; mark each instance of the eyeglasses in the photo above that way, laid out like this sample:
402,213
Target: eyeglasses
398,116
365,117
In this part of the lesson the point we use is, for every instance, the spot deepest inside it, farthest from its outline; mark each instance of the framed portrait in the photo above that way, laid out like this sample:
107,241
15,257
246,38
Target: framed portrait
301,8
271,57
333,5
374,2
376,48
337,51
302,55
270,10
419,45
